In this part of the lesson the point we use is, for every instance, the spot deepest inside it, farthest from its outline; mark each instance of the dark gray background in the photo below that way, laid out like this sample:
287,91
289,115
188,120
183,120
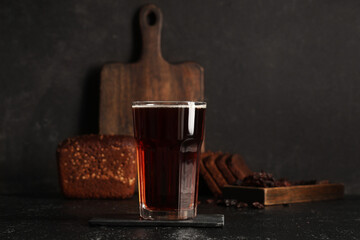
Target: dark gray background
282,80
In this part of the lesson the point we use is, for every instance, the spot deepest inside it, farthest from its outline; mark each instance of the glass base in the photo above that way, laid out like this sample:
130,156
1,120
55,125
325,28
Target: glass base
167,215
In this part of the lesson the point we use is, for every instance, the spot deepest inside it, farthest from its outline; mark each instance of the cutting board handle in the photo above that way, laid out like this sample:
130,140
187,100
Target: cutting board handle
151,24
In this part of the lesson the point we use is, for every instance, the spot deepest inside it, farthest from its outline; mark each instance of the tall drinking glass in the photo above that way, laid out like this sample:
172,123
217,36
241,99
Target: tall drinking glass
169,136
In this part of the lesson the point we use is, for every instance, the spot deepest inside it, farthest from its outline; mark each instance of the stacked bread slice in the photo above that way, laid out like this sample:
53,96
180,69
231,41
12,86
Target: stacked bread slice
220,169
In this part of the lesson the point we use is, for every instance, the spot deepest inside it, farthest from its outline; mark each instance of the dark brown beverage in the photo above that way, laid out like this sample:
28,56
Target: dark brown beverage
169,137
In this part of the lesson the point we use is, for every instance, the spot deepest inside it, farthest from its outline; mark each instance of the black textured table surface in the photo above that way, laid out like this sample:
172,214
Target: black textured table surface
57,218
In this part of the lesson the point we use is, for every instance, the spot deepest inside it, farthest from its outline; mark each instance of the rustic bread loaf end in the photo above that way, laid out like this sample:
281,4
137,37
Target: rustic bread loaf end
97,166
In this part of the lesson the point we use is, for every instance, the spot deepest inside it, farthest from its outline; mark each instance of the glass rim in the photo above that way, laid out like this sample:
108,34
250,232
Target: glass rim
158,104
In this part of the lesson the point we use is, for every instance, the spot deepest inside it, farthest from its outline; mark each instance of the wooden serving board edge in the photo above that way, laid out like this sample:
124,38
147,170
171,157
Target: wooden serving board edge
284,195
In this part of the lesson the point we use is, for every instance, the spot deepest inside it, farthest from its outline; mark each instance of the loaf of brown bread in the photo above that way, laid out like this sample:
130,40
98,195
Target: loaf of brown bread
97,166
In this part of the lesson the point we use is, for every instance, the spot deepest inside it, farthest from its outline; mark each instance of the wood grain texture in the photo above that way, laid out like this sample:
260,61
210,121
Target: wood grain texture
151,78
283,195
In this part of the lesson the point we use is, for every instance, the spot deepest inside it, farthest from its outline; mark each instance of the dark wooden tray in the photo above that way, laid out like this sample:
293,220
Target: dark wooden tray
283,195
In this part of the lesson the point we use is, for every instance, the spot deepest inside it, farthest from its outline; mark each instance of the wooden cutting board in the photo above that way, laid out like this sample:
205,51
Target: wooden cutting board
283,195
150,78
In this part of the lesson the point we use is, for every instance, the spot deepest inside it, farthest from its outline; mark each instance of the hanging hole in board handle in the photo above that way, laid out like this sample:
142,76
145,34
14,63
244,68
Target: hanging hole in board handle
151,24
151,18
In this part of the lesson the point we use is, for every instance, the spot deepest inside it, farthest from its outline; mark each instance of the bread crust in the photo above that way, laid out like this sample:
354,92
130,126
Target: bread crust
222,166
237,166
97,166
214,188
220,169
210,165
